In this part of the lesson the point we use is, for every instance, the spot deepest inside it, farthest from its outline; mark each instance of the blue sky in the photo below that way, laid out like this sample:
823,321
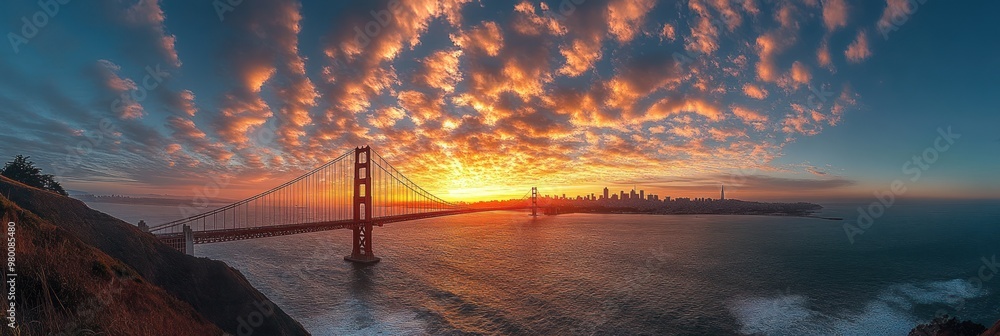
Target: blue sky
486,99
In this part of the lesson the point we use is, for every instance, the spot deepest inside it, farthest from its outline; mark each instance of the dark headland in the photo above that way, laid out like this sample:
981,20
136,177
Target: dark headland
81,271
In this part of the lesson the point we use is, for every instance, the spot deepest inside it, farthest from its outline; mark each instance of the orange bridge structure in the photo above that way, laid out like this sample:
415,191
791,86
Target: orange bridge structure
358,191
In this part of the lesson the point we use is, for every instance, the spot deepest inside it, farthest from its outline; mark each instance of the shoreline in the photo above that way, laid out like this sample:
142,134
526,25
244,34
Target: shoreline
807,215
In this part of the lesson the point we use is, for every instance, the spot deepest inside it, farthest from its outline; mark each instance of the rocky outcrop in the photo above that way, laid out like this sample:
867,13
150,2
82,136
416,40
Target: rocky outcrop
948,326
993,331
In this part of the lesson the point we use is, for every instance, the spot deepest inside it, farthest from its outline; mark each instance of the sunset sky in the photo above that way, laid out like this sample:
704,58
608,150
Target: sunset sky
779,100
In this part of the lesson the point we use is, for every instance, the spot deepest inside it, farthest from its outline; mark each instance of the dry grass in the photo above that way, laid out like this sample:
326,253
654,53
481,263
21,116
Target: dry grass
66,286
116,252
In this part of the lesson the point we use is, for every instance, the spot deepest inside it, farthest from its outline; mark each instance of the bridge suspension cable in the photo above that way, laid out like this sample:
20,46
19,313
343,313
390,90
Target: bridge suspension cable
356,190
323,195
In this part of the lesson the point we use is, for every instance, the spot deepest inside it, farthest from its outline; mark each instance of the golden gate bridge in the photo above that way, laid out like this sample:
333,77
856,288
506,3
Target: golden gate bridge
358,191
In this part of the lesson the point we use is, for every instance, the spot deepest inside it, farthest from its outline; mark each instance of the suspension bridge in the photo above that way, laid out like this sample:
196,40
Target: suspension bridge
358,191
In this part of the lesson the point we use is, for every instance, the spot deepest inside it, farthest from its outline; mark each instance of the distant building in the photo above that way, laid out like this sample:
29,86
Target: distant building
605,192
642,194
723,196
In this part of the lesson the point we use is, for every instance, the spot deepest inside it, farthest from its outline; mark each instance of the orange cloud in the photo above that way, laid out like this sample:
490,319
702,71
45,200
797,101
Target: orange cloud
858,50
185,131
187,102
421,107
486,38
750,117
580,56
387,117
528,22
123,103
668,33
440,70
823,55
626,16
800,73
754,91
767,47
704,33
834,14
668,107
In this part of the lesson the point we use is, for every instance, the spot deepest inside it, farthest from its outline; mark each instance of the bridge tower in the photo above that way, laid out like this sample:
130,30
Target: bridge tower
362,252
534,201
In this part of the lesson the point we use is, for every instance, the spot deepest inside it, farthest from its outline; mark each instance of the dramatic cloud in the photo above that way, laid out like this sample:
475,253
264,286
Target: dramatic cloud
460,93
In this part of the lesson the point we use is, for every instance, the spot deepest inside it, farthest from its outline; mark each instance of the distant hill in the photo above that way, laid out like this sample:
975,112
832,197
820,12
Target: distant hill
146,199
70,254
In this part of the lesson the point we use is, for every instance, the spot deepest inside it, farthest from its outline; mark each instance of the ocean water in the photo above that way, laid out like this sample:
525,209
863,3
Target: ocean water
601,274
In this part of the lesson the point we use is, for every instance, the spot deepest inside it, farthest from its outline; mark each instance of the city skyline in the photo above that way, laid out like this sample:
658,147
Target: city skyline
634,194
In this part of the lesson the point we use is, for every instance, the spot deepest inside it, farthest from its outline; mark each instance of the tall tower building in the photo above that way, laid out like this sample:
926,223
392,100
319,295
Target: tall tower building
723,196
605,192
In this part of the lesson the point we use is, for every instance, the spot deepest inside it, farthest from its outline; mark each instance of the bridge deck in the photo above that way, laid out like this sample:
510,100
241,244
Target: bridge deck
223,235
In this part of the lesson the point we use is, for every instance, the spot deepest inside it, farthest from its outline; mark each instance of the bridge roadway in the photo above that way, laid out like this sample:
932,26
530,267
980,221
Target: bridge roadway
223,235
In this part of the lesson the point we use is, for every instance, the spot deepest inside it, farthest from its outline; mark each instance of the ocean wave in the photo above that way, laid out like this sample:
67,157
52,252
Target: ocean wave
890,313
393,323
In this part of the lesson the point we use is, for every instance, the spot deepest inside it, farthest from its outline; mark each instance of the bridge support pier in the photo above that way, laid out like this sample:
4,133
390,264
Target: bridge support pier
362,252
534,201
188,240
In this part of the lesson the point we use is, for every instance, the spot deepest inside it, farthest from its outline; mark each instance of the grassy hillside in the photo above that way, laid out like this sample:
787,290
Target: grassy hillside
66,286
216,291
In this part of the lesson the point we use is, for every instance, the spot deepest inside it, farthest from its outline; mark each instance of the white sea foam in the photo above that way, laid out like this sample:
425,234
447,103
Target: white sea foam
396,323
890,313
